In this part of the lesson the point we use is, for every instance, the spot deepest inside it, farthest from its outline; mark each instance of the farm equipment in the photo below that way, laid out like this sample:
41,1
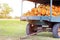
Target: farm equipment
43,23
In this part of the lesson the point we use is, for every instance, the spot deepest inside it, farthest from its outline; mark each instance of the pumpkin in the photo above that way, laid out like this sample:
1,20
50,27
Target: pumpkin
43,10
54,14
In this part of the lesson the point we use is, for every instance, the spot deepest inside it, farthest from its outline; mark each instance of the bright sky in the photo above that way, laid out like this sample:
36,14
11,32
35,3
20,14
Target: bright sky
16,6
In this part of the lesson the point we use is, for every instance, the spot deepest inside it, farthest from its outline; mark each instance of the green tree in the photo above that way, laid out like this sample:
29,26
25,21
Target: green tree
6,9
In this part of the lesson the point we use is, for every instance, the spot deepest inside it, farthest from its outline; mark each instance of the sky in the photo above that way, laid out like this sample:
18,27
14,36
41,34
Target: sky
16,5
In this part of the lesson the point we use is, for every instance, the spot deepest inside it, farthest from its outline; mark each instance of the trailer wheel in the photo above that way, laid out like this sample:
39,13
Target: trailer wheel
56,30
30,29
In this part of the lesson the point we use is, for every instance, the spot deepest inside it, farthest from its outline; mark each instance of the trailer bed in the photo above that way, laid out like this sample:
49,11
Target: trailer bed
46,18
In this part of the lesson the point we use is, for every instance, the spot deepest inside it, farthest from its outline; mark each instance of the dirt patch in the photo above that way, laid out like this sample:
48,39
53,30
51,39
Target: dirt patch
9,38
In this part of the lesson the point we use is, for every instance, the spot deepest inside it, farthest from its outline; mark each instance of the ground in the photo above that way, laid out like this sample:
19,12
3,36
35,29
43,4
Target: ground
13,29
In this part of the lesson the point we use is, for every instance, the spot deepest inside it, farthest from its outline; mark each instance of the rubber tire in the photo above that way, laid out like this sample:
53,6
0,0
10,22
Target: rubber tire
29,30
55,30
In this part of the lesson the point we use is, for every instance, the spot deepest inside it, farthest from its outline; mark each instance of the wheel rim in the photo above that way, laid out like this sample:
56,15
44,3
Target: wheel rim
59,31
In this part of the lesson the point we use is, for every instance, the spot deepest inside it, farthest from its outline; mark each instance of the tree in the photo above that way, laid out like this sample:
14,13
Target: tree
6,9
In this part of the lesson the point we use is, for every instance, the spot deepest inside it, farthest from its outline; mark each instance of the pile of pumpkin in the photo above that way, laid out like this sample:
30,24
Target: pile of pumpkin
43,10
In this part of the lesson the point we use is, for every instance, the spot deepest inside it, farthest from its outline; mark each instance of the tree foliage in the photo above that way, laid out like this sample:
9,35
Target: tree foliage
5,9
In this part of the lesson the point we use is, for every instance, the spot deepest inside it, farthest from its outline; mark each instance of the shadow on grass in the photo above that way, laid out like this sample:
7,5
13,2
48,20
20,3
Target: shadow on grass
42,36
45,34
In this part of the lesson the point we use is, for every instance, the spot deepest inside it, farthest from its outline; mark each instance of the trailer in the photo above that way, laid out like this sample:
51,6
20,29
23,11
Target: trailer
43,23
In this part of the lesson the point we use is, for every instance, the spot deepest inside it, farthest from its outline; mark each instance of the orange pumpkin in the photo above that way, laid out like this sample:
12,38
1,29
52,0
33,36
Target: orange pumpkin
59,9
47,13
56,9
43,10
54,14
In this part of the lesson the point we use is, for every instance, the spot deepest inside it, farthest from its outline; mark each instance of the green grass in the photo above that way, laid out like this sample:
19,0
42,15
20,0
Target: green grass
10,27
17,28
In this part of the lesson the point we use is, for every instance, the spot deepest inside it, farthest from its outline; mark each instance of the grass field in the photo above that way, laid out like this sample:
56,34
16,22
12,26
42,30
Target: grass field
10,29
16,28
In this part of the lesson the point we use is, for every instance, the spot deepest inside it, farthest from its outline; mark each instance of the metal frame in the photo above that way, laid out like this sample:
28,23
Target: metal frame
50,9
21,7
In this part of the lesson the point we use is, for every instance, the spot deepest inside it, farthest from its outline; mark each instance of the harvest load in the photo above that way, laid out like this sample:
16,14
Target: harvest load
43,10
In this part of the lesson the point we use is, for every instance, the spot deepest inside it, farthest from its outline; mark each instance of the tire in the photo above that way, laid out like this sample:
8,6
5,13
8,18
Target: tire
55,30
30,29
